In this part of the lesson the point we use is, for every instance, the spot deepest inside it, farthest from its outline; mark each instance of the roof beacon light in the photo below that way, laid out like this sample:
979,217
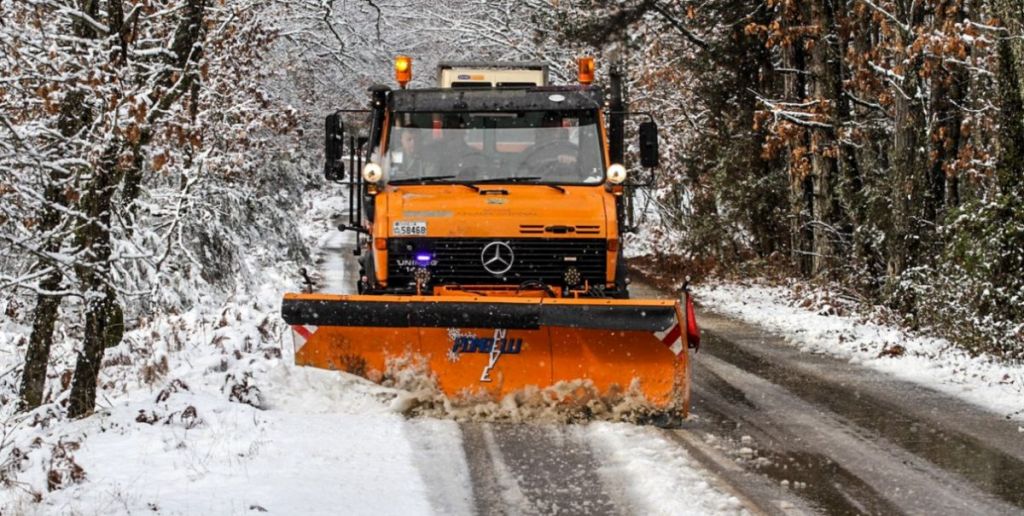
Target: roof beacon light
586,65
403,70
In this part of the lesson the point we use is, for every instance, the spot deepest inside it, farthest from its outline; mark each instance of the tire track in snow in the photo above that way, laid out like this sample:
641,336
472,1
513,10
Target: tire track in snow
847,468
527,469
440,459
494,489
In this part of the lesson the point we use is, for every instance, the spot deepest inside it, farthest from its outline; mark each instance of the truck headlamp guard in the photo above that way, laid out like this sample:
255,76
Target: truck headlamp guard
372,172
616,174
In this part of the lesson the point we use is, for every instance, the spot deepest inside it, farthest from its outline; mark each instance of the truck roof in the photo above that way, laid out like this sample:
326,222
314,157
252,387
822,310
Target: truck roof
518,65
539,98
470,74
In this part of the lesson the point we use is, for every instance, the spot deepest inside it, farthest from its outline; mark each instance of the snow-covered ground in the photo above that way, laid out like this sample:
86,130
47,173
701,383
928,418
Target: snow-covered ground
204,412
232,426
809,319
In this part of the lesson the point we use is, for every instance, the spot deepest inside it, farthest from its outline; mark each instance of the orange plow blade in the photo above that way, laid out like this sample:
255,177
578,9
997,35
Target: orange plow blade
491,347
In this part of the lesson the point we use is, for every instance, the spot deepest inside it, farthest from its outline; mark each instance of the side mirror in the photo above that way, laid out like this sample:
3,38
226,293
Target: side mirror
334,144
649,145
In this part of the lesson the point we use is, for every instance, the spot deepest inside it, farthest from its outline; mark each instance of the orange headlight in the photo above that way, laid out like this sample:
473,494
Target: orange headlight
586,66
403,70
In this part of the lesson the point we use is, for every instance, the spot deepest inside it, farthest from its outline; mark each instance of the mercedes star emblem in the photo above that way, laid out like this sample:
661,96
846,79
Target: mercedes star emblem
497,258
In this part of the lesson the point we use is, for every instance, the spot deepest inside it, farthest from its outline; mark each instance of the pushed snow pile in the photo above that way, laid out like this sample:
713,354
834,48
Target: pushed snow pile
820,322
564,402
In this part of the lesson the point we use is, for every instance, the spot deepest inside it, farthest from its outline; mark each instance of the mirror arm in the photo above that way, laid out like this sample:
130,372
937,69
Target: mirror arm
357,229
651,180
628,114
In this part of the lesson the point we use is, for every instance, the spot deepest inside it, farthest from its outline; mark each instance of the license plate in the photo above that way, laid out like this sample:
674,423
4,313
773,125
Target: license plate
409,228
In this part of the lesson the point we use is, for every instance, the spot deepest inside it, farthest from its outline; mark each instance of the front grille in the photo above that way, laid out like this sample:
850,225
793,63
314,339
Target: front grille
458,260
537,229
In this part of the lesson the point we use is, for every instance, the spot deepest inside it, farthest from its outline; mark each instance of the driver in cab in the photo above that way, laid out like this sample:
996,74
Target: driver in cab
412,159
555,155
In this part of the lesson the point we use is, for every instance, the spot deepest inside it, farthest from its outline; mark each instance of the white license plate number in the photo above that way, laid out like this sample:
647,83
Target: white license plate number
409,228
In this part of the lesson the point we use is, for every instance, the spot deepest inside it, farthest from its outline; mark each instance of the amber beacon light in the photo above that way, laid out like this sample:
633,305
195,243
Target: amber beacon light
586,67
403,70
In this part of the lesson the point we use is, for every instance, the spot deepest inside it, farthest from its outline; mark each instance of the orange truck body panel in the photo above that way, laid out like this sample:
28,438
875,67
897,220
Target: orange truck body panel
452,211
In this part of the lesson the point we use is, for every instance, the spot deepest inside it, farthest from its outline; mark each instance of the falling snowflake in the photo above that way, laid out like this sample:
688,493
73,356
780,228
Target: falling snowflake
453,335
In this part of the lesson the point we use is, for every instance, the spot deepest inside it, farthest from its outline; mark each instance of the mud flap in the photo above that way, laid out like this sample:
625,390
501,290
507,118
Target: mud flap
494,346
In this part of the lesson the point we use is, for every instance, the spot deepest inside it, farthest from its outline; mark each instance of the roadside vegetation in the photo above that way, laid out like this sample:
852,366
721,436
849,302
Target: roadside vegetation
876,145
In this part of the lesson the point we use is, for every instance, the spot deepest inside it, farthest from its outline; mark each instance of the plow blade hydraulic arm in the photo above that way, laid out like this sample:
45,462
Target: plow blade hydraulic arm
495,346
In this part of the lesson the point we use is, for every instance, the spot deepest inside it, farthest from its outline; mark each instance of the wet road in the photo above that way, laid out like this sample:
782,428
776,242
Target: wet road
847,439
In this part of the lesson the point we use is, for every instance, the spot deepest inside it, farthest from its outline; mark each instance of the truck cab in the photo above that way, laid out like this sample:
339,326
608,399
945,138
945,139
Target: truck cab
494,183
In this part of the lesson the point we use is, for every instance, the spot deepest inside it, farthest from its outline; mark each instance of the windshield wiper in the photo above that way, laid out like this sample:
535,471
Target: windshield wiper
524,179
429,179
414,180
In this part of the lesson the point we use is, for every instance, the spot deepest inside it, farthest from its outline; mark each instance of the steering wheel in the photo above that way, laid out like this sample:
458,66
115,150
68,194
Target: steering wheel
550,168
538,159
468,166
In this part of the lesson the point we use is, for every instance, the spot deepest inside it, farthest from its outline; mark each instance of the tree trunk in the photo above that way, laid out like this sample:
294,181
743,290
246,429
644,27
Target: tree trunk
907,190
1010,167
104,315
1011,13
102,329
908,163
801,193
947,94
37,356
74,115
824,146
94,237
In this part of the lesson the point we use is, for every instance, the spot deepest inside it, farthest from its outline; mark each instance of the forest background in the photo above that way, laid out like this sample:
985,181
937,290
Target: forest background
155,151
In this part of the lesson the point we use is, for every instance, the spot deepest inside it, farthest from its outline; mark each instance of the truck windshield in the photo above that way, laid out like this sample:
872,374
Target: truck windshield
558,147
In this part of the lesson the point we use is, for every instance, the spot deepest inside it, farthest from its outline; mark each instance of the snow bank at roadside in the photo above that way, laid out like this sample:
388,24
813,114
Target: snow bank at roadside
229,427
812,324
661,477
203,412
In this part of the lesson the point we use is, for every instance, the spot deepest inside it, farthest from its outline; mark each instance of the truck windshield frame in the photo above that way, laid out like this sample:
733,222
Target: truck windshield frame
561,147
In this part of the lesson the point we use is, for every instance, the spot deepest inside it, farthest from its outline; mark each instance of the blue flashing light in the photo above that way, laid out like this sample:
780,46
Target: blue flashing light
423,259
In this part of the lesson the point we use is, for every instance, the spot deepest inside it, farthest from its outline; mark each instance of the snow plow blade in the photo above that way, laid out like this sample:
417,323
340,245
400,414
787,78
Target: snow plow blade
488,346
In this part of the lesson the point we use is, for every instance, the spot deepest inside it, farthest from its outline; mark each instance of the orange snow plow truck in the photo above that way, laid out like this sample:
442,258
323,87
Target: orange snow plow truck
488,216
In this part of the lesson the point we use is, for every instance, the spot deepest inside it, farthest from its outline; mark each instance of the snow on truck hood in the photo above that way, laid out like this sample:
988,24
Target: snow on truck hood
522,211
